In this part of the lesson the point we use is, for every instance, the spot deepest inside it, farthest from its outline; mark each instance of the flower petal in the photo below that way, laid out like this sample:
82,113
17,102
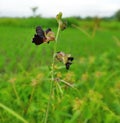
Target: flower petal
48,30
40,32
68,65
50,36
37,40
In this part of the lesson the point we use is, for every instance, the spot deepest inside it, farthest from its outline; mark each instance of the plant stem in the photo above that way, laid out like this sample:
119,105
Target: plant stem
54,50
52,74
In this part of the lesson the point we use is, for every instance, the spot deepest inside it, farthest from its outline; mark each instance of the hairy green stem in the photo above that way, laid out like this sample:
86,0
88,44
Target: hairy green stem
52,74
54,50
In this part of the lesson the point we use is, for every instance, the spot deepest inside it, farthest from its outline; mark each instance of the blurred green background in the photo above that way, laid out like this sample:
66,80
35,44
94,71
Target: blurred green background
95,73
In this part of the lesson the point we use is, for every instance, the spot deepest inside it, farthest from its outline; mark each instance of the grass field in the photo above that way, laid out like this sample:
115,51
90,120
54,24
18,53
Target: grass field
25,74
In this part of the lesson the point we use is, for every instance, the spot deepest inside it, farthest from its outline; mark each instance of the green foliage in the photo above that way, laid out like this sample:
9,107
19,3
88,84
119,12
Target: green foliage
24,73
34,21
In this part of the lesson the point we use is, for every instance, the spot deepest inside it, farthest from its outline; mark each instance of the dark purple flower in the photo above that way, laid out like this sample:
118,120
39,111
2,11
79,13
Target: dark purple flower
43,36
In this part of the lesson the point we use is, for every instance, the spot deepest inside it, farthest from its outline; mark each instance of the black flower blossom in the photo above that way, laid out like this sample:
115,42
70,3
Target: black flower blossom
43,36
65,58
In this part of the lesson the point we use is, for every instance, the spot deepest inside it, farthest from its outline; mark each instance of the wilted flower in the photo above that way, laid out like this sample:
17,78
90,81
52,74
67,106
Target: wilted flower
43,36
65,58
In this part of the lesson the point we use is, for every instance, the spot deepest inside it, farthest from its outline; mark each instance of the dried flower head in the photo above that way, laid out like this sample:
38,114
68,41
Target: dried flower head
65,58
42,36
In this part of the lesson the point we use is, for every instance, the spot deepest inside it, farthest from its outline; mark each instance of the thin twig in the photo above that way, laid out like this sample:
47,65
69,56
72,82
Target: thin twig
59,87
67,83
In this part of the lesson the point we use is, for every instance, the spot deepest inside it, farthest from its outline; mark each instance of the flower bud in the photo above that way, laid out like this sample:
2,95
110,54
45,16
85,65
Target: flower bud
59,17
61,23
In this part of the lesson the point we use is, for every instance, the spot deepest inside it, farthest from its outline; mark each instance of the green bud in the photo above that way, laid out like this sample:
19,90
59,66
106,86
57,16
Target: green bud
61,23
59,17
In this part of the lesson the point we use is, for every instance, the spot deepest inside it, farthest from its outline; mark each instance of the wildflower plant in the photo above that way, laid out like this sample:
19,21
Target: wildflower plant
47,36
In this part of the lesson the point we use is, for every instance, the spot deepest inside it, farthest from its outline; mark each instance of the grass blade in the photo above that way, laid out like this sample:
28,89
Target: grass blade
13,113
